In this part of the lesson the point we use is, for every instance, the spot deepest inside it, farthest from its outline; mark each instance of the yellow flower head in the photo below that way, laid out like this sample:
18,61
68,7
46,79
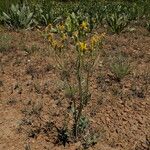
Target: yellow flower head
48,28
103,35
82,46
96,39
64,37
84,25
61,27
50,37
54,43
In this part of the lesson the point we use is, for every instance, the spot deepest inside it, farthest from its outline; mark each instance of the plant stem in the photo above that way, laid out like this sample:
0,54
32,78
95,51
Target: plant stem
79,78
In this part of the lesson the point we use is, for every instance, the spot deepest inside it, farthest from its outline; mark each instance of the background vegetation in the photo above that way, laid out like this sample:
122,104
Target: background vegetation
48,11
96,52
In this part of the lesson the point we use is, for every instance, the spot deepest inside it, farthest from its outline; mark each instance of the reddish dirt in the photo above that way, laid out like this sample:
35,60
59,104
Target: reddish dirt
119,112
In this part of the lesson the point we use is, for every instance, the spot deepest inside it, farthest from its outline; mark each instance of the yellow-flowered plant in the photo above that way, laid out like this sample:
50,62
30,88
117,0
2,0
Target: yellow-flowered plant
82,46
95,39
61,27
84,25
85,55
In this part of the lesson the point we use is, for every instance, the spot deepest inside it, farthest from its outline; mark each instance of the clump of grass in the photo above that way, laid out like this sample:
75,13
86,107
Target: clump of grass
32,122
116,17
120,67
5,43
90,140
33,109
31,71
11,102
63,136
29,49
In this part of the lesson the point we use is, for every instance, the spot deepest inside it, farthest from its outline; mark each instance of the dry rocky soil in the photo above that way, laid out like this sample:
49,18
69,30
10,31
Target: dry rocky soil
31,99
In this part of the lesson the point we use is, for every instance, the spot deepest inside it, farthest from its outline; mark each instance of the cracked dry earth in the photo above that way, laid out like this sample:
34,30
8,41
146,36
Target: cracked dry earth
119,112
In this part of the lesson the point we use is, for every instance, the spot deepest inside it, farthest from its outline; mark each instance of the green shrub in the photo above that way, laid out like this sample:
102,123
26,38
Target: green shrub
119,67
117,18
117,14
18,16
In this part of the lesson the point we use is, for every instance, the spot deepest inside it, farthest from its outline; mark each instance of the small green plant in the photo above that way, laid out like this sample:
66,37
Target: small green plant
148,26
90,140
34,132
138,10
32,122
31,71
83,124
11,102
116,17
117,22
120,67
29,49
63,136
18,16
34,109
5,42
41,17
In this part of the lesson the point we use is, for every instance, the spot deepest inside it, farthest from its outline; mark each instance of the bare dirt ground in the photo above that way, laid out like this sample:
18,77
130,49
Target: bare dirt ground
31,98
